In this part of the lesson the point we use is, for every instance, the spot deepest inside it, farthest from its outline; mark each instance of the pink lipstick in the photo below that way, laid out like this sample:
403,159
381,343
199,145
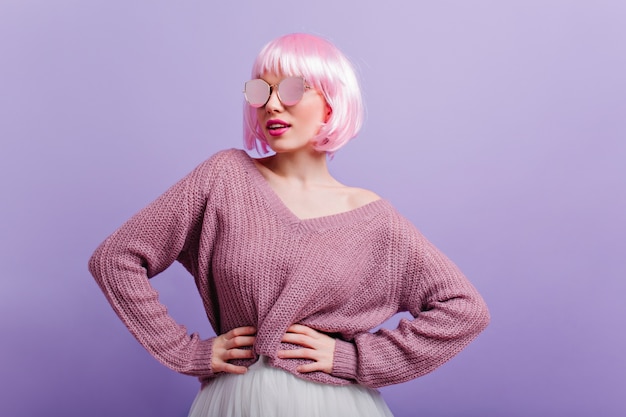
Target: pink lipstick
276,127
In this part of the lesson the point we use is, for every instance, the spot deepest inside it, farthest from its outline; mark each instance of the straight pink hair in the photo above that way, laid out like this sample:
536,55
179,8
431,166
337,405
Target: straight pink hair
326,69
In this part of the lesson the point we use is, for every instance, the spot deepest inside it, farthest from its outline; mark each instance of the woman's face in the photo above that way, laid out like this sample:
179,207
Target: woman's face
292,128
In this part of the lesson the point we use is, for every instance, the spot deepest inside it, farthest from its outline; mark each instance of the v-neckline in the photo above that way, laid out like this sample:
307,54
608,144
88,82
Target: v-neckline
311,223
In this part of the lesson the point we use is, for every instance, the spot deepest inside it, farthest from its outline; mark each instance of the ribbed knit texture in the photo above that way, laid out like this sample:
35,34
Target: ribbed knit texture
255,263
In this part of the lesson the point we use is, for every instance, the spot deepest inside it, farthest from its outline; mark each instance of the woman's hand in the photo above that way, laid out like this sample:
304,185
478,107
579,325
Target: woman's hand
316,346
228,346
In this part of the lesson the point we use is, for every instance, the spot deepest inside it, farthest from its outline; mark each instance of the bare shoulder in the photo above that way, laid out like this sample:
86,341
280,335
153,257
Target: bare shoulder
358,197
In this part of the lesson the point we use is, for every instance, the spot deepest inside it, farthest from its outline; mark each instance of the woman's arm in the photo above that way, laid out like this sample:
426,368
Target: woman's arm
143,247
448,313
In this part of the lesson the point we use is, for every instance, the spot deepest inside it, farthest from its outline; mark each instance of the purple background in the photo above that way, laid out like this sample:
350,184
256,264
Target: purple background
498,128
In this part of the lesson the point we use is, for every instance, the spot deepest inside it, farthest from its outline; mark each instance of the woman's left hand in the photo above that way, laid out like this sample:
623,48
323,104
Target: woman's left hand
316,346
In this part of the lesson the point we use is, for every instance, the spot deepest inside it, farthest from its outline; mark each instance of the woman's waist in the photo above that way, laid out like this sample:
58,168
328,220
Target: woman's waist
265,362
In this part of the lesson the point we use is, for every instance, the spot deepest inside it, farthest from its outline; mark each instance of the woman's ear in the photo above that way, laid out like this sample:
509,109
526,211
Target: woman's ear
329,111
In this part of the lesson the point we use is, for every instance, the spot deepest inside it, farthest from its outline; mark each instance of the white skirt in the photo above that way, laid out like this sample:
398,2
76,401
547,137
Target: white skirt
265,391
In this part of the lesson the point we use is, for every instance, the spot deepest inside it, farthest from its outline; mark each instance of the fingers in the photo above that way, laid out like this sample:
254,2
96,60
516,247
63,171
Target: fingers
240,331
305,330
238,341
231,369
321,359
321,363
316,346
235,353
299,334
238,337
298,354
228,346
299,339
315,366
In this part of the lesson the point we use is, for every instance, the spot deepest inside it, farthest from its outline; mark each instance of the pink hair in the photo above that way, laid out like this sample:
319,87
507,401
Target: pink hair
325,69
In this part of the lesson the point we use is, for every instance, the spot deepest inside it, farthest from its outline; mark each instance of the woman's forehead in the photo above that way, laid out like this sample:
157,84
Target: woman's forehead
273,78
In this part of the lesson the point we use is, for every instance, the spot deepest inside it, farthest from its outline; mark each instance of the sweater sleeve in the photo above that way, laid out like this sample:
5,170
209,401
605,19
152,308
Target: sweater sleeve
448,313
143,247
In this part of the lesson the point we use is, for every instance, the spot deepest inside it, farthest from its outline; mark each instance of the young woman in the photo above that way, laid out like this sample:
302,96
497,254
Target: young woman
294,268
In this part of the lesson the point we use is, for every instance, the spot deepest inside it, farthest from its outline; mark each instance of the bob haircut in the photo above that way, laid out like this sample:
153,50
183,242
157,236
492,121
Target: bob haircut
325,69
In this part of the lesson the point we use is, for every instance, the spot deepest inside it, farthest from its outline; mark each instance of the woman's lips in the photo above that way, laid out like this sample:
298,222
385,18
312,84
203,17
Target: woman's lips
276,127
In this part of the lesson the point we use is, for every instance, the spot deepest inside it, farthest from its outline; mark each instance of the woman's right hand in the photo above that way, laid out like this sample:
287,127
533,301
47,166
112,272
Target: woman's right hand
228,346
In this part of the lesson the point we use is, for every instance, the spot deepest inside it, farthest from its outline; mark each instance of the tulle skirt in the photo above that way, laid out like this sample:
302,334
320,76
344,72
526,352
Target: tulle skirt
265,391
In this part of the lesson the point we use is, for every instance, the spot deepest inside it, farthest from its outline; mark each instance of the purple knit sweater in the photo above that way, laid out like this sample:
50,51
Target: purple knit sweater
255,263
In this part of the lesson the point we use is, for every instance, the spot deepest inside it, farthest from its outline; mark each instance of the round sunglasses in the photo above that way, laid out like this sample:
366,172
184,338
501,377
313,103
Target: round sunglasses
290,91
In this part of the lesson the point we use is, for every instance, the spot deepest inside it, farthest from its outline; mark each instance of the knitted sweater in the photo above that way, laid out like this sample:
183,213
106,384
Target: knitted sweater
255,263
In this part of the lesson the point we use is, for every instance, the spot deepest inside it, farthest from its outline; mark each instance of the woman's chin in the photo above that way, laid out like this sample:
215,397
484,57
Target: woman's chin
284,145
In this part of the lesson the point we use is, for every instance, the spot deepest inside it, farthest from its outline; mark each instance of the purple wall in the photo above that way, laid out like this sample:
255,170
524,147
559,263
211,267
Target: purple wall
498,128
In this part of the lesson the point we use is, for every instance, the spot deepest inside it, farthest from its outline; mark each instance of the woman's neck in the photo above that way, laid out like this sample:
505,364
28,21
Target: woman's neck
305,167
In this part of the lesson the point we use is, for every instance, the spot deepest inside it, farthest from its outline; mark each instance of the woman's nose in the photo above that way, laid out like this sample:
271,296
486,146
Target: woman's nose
273,103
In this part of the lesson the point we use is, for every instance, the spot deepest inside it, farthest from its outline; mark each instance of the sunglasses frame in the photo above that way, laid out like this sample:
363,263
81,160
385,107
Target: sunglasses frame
277,87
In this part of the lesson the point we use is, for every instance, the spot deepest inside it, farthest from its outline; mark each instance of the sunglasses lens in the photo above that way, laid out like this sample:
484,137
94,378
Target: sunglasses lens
257,92
290,90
